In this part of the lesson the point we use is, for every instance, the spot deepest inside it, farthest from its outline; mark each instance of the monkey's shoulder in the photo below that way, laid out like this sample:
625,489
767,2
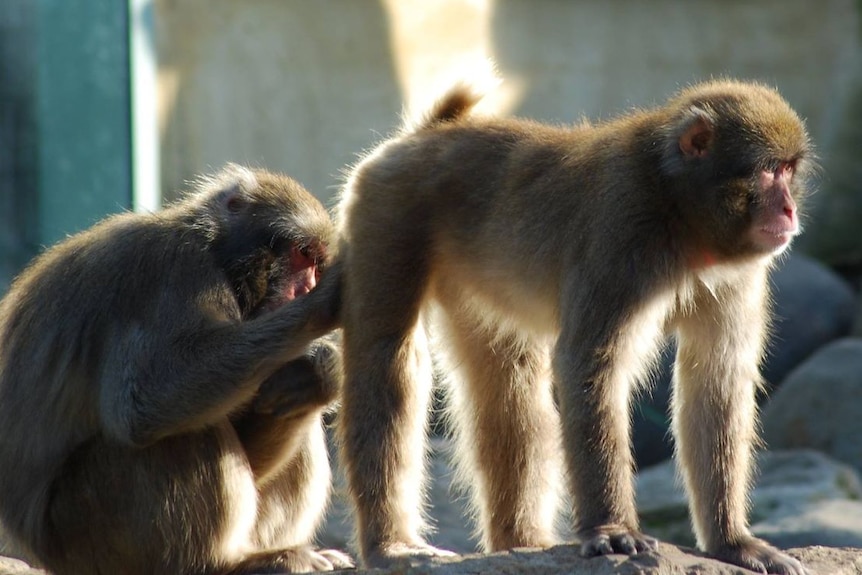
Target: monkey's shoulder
114,269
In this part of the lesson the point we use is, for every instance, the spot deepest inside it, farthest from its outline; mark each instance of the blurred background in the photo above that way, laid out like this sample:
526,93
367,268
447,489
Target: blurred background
107,105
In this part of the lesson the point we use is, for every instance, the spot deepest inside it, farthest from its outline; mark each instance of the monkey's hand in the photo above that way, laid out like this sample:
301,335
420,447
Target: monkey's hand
759,556
305,384
608,540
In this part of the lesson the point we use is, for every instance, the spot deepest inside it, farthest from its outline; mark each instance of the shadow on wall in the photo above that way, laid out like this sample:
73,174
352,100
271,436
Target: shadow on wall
601,58
293,86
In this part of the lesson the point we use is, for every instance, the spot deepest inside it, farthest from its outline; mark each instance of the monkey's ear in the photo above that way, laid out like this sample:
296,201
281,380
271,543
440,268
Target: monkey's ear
696,138
231,200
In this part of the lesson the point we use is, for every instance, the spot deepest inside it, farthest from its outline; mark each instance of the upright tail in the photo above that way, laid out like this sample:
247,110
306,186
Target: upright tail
453,106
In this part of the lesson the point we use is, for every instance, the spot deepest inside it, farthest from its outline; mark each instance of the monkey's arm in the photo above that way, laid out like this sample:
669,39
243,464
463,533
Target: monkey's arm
716,376
608,338
155,387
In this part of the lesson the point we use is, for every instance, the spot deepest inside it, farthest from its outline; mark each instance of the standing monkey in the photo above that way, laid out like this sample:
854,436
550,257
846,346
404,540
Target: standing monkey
161,388
565,254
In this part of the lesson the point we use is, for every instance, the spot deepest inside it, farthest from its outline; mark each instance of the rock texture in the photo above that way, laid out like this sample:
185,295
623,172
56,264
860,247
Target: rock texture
9,566
813,307
818,406
564,560
668,560
800,498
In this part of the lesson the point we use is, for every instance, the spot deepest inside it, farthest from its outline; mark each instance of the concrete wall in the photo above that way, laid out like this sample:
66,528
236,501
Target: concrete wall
304,86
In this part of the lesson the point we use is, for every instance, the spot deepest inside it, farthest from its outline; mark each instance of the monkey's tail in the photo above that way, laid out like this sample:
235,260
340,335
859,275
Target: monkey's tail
452,107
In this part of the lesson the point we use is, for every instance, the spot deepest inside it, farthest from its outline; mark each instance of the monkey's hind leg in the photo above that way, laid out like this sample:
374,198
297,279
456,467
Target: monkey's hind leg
383,418
506,429
292,504
282,433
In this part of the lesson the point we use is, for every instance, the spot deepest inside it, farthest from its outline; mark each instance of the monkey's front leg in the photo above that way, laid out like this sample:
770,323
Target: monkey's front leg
601,352
714,413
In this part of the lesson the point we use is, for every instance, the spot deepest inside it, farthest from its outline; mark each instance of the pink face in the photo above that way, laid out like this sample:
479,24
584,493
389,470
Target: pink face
303,276
304,272
776,221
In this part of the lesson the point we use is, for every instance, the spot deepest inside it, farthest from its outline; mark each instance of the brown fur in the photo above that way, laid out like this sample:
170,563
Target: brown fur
565,254
133,435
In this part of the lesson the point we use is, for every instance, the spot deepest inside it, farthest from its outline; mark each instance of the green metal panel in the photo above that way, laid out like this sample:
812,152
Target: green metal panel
83,114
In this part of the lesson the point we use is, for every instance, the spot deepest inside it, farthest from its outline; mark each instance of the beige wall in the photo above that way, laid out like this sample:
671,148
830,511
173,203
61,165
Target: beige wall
302,86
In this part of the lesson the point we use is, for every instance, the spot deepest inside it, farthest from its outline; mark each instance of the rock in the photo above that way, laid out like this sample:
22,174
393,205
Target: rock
857,322
10,566
565,559
818,405
834,523
813,306
801,484
651,436
790,485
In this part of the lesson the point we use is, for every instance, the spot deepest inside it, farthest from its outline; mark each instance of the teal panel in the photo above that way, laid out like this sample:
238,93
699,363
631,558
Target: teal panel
82,114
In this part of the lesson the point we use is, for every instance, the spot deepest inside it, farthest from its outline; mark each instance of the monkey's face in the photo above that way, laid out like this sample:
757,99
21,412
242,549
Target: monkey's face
292,271
761,210
775,218
274,242
747,163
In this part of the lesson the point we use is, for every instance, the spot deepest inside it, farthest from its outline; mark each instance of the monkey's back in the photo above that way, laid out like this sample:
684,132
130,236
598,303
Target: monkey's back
470,194
56,322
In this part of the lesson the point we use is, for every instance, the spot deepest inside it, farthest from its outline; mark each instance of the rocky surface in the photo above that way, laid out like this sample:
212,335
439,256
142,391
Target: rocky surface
668,560
819,405
813,307
10,566
802,499
564,559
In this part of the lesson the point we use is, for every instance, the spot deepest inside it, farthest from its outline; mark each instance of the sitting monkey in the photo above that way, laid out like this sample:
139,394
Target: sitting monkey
162,385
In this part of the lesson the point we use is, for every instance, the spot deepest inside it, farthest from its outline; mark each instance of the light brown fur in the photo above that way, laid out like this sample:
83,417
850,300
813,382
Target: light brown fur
161,390
564,255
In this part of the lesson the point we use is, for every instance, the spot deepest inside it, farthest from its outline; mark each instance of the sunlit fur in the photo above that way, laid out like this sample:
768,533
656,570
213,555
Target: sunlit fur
549,263
152,420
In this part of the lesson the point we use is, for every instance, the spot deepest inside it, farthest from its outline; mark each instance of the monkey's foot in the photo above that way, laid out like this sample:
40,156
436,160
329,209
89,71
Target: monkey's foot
338,559
609,540
761,557
390,554
292,560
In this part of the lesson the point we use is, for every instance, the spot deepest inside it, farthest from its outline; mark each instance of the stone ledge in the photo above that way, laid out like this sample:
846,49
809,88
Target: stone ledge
668,560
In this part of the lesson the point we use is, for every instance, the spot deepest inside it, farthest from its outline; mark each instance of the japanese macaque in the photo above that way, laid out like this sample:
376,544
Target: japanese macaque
162,385
552,261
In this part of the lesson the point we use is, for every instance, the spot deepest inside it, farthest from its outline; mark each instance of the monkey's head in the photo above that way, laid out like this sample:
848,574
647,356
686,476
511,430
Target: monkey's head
737,158
269,234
